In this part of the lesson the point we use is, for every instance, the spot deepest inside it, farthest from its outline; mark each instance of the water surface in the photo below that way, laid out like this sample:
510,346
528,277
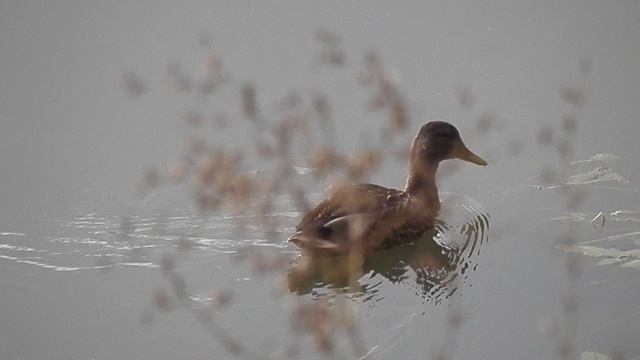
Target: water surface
83,255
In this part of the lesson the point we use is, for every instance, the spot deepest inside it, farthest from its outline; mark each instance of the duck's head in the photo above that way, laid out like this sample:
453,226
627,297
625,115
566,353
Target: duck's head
437,141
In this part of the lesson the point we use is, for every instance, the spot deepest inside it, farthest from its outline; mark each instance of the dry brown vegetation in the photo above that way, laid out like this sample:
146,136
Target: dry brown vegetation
221,182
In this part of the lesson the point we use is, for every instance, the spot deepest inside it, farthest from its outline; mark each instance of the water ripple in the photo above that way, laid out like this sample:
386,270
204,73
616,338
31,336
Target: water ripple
93,241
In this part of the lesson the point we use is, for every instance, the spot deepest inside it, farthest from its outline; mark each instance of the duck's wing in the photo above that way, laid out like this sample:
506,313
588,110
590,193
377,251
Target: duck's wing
347,214
351,199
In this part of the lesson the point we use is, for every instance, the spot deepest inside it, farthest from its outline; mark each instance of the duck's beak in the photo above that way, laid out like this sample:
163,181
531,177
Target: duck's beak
461,152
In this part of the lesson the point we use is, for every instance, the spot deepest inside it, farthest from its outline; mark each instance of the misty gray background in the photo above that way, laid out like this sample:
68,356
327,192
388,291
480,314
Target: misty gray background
72,142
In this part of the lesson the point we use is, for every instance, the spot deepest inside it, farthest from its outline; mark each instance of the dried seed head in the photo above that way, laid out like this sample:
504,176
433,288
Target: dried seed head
150,178
249,106
167,262
548,175
162,300
466,97
545,135
178,172
196,144
205,39
362,163
194,118
212,65
570,301
327,38
331,53
573,96
133,84
564,147
570,124
485,123
325,160
322,108
180,81
565,349
185,244
398,116
220,298
576,195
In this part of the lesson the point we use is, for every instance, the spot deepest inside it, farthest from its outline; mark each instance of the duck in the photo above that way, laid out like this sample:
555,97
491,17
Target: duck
363,218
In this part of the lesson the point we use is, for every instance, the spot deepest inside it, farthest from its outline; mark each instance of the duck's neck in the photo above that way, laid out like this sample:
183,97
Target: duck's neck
421,183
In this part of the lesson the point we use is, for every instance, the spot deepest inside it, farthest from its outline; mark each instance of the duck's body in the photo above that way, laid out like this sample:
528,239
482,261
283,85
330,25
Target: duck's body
384,217
367,217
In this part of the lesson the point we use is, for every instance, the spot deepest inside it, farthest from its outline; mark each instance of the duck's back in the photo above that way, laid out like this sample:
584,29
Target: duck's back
383,217
352,199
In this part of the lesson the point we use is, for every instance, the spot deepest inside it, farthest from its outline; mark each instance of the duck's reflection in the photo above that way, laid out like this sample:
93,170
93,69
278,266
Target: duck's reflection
434,262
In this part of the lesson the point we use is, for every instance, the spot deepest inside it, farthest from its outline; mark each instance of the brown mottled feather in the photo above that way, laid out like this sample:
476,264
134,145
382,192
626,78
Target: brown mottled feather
350,199
396,217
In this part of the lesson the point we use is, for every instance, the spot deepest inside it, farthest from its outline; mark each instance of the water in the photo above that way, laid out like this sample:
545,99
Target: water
428,272
88,263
